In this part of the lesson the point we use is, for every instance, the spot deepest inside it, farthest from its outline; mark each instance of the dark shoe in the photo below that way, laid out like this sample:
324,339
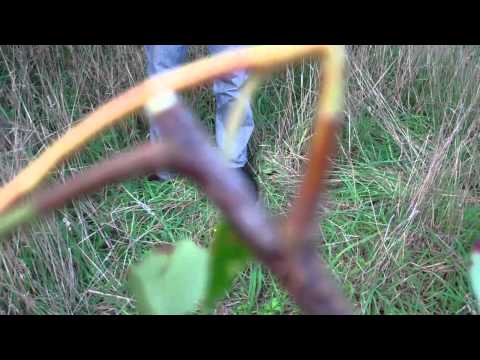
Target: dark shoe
251,178
155,177
165,177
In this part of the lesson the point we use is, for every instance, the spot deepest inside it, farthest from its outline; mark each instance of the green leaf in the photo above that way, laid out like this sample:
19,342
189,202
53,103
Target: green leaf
475,273
228,257
171,283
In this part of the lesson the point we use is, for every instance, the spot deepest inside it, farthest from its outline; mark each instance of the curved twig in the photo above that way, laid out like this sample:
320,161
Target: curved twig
259,59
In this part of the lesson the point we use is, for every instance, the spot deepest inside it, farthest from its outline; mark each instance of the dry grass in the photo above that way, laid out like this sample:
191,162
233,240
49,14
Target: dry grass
403,210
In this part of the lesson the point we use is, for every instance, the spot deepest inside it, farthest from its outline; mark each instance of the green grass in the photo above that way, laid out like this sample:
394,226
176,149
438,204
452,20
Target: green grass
402,213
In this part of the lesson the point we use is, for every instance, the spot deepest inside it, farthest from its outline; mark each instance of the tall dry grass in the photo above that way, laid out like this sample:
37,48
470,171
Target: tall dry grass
424,98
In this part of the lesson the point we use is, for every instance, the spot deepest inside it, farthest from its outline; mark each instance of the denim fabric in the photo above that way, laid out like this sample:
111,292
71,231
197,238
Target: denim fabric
164,57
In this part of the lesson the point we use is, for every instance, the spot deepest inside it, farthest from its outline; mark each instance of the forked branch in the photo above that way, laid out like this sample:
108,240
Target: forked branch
186,150
288,250
261,59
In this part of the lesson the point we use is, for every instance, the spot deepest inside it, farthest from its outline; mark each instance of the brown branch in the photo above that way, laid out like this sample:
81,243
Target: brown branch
257,59
143,160
302,218
301,272
186,150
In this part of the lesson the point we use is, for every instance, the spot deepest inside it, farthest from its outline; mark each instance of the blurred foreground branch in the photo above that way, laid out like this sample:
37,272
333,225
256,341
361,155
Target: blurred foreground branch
286,246
186,150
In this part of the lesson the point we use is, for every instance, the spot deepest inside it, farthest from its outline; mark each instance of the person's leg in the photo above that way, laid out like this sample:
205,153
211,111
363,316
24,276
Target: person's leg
226,91
159,59
164,57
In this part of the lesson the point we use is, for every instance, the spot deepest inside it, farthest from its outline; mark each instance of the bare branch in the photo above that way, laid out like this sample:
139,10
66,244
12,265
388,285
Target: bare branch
186,150
258,59
288,250
145,159
301,272
303,215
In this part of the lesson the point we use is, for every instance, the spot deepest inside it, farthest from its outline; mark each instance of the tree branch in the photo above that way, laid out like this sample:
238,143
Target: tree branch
288,250
186,150
258,59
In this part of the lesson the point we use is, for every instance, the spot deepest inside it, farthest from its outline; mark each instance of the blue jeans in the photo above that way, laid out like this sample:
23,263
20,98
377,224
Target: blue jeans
226,90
